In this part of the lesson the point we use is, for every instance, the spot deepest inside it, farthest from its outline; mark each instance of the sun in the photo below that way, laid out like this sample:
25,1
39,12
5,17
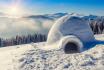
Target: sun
15,9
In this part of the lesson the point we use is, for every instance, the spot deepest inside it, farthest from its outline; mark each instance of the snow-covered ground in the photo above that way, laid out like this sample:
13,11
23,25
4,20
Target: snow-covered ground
30,57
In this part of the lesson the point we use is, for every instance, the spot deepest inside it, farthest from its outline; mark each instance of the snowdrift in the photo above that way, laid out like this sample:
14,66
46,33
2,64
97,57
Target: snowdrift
31,57
71,31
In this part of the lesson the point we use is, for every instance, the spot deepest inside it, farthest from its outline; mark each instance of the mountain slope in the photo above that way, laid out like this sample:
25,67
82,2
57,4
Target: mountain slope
30,57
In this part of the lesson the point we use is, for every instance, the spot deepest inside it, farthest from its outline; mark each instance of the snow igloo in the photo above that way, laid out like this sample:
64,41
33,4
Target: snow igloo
70,33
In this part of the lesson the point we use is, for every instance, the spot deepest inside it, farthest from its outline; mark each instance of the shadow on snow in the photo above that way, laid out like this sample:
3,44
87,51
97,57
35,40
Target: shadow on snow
90,45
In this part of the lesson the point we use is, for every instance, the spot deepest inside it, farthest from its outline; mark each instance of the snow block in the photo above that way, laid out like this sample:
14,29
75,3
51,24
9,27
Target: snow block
70,31
70,25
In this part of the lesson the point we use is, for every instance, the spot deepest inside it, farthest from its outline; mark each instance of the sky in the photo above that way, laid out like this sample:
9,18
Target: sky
95,7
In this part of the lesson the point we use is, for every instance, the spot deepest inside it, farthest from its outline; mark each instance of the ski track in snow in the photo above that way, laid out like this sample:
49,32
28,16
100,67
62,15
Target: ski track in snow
30,57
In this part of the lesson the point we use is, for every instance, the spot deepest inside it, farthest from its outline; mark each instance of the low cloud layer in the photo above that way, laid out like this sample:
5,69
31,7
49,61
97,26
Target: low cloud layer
11,27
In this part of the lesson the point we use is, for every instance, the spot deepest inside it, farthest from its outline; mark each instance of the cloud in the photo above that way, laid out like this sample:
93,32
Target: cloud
11,27
47,24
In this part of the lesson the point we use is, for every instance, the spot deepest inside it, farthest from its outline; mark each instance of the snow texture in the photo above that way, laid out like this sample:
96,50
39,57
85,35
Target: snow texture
70,25
30,57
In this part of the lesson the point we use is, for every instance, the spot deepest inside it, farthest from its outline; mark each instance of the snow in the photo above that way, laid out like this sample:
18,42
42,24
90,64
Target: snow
30,57
33,57
70,25
71,39
61,44
9,56
100,37
73,27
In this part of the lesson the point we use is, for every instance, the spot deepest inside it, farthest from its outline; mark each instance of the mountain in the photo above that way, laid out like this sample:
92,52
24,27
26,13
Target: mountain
56,15
92,17
39,17
47,16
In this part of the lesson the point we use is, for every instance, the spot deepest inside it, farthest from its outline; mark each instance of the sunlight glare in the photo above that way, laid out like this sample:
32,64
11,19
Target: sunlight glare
15,10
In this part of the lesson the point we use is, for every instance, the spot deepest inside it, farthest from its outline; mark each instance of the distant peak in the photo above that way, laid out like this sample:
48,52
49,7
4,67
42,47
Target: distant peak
60,13
75,14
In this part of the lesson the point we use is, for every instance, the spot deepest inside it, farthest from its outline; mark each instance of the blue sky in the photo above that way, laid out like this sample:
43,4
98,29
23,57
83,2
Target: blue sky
53,6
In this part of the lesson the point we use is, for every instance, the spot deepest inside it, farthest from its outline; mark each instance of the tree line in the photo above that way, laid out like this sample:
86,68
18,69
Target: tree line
22,40
97,26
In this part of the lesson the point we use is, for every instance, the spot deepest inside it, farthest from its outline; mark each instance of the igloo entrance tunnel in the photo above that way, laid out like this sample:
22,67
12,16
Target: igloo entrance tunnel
70,33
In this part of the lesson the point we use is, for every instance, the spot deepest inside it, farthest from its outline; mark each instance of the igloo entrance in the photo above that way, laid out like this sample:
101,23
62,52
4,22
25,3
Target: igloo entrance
71,48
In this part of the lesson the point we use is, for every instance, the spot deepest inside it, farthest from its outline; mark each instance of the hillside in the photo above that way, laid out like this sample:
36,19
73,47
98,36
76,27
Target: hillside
30,57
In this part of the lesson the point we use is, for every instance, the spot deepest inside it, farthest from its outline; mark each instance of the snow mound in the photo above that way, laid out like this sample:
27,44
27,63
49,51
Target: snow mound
70,25
71,33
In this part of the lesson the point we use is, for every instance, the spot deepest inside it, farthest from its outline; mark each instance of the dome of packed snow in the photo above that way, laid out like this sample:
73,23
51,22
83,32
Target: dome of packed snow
70,25
70,29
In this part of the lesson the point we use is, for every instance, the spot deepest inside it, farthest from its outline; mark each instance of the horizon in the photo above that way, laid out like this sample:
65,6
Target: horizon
39,7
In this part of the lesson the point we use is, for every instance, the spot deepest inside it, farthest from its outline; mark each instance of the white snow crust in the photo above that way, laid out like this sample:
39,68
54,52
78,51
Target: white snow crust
30,57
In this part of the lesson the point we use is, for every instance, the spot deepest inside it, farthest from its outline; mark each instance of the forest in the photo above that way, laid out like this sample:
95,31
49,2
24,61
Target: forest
97,25
22,40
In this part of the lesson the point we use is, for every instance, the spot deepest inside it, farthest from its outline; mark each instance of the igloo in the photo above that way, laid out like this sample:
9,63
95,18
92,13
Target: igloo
69,33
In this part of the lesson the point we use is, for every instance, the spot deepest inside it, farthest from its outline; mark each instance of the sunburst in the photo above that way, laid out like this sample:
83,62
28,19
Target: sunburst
14,10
